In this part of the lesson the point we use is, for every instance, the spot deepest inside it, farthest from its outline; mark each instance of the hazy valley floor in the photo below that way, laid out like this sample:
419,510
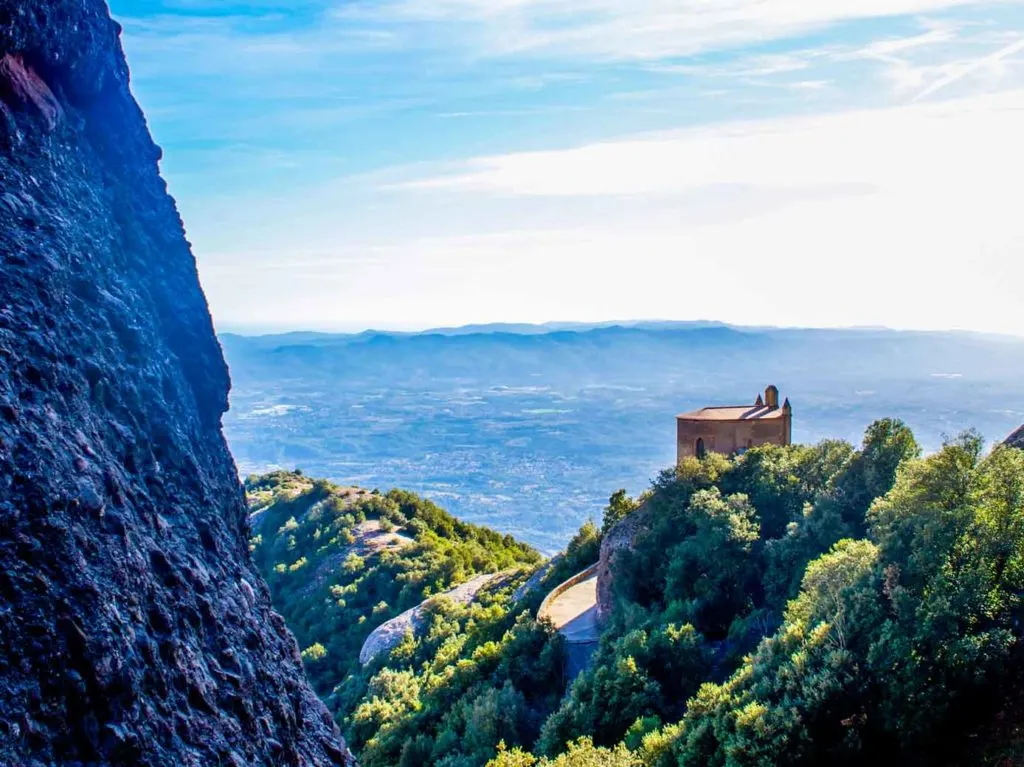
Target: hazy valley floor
530,434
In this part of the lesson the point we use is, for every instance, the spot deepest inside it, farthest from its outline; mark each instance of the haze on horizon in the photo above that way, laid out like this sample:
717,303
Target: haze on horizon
406,164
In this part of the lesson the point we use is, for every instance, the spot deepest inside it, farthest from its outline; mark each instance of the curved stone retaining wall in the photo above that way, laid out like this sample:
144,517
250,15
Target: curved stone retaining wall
619,538
561,588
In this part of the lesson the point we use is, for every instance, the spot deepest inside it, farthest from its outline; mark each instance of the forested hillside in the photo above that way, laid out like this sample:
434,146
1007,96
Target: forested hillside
892,624
342,561
791,606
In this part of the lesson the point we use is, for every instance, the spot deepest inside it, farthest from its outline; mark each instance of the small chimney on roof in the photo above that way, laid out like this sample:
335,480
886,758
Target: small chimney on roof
771,397
786,407
759,402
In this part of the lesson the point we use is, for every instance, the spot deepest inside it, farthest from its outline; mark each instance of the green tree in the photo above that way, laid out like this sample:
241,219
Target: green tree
798,699
581,753
888,443
710,573
768,476
584,548
620,506
314,652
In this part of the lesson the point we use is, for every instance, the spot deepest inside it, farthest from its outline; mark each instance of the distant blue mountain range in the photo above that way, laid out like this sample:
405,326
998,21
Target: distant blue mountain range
530,428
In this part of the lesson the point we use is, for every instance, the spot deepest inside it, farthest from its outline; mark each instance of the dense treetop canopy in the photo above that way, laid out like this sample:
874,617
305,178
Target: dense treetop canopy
793,605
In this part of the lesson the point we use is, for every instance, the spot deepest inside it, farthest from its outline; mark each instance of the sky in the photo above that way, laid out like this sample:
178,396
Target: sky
347,164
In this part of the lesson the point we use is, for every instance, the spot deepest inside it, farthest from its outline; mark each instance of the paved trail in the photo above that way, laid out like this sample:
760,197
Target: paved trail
574,612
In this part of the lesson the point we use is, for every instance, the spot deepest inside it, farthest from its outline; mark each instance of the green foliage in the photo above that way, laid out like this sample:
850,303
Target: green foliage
314,652
710,572
581,753
724,549
334,580
620,506
888,444
476,675
790,606
644,673
583,549
774,480
483,674
896,648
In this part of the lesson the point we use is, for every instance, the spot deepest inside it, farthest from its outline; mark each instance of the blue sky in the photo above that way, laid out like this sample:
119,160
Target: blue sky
413,163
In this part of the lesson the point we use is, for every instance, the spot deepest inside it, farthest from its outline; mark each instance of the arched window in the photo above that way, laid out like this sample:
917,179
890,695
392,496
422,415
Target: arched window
750,444
701,452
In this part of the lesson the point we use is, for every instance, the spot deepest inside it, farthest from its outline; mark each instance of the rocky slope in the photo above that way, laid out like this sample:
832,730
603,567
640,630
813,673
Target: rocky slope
1016,439
389,635
133,627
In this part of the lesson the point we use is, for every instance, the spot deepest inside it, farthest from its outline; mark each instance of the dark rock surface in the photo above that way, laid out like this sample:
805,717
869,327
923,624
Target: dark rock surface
134,629
1016,439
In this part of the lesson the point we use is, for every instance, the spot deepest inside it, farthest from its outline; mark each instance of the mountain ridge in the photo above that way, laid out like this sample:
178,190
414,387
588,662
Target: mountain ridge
527,329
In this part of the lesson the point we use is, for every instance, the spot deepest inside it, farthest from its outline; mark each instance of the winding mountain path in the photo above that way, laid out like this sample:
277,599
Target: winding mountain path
572,609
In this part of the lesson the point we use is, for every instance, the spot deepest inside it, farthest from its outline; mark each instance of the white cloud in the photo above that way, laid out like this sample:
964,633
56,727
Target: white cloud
900,216
991,61
886,48
810,85
903,216
637,29
763,65
879,147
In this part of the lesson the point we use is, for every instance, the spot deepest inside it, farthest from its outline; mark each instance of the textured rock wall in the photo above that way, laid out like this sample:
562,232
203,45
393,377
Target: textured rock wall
1016,439
619,538
134,629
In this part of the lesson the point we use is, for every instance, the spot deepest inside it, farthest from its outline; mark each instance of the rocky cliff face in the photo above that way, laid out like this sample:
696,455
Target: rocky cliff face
619,538
133,628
